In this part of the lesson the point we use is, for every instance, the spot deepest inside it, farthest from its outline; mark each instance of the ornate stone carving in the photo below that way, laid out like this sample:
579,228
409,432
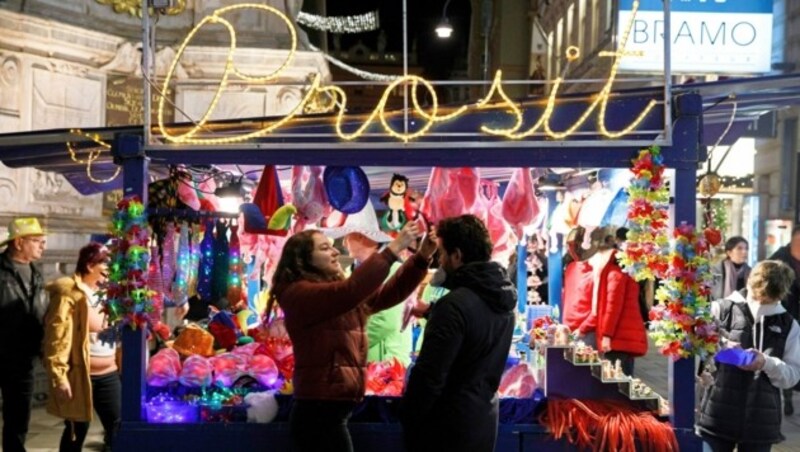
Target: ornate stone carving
65,99
8,188
9,85
134,7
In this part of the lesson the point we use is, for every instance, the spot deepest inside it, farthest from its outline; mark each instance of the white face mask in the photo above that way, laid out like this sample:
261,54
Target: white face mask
438,277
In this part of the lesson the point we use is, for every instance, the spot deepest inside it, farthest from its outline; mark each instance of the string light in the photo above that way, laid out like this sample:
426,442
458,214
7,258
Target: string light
366,75
94,154
311,100
348,24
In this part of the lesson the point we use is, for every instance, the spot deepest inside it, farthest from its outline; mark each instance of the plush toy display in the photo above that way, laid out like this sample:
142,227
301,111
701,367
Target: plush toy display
399,202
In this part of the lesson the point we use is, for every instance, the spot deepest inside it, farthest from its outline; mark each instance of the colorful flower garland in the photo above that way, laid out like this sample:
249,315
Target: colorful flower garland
648,204
128,300
681,324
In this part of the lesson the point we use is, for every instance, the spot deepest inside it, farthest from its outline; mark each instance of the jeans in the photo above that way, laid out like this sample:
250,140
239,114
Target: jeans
107,402
722,445
320,426
16,383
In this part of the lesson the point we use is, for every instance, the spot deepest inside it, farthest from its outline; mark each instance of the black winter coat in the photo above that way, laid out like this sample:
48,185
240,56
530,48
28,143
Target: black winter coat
21,314
451,397
792,301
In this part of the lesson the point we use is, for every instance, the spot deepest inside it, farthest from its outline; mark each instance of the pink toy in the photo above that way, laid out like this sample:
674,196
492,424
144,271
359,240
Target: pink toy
308,194
263,369
520,206
196,372
518,382
164,367
228,367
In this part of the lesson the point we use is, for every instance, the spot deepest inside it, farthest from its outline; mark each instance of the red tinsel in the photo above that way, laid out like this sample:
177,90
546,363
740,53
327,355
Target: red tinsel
607,425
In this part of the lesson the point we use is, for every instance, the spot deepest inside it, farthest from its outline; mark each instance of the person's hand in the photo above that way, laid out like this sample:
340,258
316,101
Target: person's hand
428,246
757,363
64,391
181,311
605,344
420,309
578,335
404,238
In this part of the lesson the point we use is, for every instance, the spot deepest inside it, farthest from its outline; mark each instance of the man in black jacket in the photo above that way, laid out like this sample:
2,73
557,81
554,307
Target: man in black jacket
790,255
451,401
23,302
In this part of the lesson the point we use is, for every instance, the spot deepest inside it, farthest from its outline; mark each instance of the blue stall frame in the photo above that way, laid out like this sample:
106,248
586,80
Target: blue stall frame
683,156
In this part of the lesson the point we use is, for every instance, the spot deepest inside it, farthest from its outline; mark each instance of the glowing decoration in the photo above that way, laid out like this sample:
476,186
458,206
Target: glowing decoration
234,269
94,154
180,287
366,75
682,325
348,24
643,256
128,300
194,261
206,270
709,185
168,258
163,411
219,279
338,100
163,368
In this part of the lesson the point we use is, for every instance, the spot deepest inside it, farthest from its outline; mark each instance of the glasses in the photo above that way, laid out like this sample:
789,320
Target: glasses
37,240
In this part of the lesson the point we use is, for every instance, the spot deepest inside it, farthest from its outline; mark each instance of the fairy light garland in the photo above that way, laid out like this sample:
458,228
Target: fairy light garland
360,23
234,293
180,287
379,114
681,324
644,254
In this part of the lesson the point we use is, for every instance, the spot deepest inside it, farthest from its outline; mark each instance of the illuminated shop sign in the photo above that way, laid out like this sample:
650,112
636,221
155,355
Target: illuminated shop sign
708,36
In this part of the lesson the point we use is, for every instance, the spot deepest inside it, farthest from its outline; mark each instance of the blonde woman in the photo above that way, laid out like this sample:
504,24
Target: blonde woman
742,408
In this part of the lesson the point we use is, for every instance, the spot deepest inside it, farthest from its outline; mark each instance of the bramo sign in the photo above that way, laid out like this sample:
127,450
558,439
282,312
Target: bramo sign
708,36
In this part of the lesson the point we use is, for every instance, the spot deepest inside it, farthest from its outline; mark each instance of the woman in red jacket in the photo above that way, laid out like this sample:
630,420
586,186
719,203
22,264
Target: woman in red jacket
620,329
325,315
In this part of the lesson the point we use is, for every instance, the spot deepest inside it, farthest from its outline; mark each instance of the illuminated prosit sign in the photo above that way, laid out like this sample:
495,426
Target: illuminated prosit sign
320,98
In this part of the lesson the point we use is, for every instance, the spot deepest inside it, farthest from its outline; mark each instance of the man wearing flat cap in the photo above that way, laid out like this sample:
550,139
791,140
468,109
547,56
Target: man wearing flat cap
23,302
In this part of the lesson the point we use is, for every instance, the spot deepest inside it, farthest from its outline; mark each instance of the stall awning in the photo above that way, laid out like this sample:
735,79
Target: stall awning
729,107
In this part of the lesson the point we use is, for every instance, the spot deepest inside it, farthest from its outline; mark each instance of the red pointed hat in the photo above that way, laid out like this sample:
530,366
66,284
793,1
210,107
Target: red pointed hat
268,198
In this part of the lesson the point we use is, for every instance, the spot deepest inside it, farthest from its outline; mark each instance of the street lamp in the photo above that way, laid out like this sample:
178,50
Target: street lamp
444,30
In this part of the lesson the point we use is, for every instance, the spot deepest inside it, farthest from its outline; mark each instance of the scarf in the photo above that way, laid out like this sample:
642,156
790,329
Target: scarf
732,275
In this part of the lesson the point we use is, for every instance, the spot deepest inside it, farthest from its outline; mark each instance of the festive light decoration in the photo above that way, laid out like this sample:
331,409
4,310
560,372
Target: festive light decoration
94,154
310,101
194,260
134,7
348,24
127,299
219,281
682,325
180,287
648,202
168,260
234,269
206,267
366,75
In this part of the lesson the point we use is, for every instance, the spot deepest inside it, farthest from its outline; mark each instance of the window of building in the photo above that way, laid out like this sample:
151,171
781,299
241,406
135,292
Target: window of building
568,36
594,32
609,15
582,28
550,60
559,45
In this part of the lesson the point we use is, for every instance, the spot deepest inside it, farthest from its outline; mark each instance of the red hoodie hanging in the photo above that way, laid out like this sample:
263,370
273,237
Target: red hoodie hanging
400,203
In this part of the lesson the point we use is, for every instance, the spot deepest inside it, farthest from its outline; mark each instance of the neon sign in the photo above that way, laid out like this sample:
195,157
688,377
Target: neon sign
337,99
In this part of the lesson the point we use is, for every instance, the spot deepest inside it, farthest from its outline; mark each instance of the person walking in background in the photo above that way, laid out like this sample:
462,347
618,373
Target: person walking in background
742,408
23,302
790,255
451,400
325,316
82,369
731,273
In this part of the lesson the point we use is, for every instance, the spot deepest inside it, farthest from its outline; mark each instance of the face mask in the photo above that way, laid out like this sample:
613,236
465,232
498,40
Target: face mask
438,277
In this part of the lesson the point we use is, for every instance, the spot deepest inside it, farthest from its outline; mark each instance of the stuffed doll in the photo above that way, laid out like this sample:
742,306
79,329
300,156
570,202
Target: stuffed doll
399,202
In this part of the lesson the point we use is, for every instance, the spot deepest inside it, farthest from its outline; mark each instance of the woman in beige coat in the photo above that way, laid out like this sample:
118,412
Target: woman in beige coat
82,370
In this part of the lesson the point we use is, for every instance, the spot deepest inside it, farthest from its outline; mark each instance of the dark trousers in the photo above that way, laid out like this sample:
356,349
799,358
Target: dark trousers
625,360
320,426
721,445
107,402
16,384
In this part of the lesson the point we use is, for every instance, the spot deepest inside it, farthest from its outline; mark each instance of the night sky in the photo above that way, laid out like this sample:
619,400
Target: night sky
436,56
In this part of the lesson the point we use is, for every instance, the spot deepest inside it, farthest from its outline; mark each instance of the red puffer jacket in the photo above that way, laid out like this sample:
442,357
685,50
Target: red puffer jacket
618,310
326,320
577,298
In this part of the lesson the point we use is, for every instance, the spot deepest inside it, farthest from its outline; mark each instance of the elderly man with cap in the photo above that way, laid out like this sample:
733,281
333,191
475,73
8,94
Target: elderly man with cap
362,238
23,302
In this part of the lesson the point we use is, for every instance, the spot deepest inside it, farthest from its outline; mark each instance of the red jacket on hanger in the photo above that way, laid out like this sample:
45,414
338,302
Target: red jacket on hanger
577,298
